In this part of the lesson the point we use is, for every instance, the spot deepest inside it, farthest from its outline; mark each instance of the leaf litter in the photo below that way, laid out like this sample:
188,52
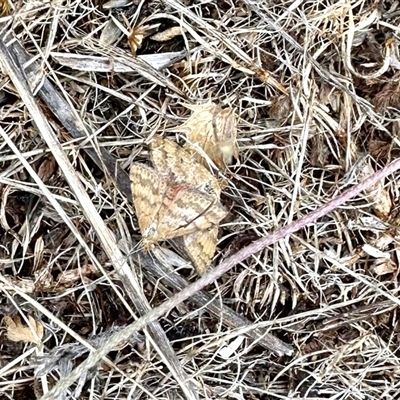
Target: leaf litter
292,105
16,331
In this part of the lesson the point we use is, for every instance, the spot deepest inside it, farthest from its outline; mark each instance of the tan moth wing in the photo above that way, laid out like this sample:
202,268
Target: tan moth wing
166,209
166,155
186,210
148,192
184,201
200,247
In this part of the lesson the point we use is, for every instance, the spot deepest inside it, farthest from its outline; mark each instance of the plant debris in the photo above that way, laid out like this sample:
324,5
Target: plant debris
285,106
17,332
211,130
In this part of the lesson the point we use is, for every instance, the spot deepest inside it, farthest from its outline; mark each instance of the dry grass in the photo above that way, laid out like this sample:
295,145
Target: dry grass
316,89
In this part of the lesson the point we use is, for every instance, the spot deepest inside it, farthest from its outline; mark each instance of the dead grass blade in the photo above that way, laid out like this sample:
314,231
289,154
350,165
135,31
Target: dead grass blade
57,104
315,91
225,266
159,340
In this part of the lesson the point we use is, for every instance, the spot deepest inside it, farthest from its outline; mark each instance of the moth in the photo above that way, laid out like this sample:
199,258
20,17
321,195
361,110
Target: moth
167,208
200,246
168,156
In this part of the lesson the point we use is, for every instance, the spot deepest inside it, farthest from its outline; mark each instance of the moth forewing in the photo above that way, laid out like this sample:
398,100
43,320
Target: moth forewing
186,210
179,199
200,247
167,155
148,191
166,209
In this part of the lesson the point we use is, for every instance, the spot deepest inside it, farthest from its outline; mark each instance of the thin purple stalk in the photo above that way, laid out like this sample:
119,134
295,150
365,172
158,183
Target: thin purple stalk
213,275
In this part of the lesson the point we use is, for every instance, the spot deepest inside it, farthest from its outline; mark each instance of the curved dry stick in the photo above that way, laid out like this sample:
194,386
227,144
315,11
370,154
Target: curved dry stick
209,278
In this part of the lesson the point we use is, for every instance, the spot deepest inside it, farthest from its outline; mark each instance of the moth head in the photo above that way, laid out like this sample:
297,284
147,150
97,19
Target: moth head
208,188
211,187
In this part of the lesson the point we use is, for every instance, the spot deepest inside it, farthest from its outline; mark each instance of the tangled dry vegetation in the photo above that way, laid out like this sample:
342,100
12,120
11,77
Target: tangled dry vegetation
315,89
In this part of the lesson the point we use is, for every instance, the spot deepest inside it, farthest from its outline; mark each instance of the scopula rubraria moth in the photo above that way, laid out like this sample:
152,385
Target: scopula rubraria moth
200,247
167,209
168,156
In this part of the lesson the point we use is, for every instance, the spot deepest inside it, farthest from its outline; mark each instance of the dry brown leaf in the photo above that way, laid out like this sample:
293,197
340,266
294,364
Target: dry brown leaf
267,77
5,8
214,130
17,332
26,285
388,96
281,108
168,34
379,149
383,204
73,275
47,168
135,38
137,34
